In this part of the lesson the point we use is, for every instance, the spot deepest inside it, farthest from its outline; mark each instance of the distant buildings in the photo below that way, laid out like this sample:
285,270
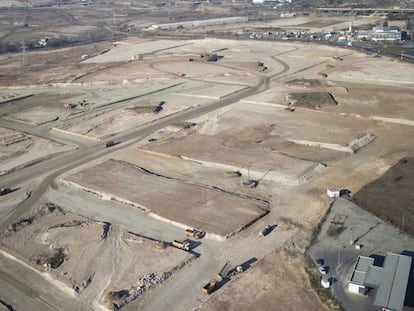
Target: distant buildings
380,33
201,23
270,2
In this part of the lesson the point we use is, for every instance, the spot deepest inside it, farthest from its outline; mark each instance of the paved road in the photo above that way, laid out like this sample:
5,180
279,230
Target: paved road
38,293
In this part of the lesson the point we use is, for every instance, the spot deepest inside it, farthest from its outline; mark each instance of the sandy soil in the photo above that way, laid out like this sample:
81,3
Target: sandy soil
254,135
113,259
255,288
19,149
193,205
228,155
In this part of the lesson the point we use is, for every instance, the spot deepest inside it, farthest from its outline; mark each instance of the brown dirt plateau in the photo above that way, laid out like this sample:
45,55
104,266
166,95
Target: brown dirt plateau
276,282
195,205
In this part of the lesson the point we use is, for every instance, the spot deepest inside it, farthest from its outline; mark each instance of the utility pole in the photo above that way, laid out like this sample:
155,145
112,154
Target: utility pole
24,56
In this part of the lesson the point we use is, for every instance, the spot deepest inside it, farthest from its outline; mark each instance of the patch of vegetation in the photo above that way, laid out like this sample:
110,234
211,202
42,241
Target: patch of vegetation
315,280
312,100
57,259
391,197
305,82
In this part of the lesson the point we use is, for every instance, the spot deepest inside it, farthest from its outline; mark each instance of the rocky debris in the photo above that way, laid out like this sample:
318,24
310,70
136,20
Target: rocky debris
315,170
118,299
360,142
13,138
21,224
52,260
123,297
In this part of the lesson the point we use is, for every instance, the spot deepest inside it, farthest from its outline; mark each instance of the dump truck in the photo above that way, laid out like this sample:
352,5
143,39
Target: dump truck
210,287
182,245
225,270
198,234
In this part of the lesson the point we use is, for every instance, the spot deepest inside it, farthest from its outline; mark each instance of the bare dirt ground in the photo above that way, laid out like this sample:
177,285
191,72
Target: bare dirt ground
254,136
211,210
254,289
230,156
48,66
113,260
19,150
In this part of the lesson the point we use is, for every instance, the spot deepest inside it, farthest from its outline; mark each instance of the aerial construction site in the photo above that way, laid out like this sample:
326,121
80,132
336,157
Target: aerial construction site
161,167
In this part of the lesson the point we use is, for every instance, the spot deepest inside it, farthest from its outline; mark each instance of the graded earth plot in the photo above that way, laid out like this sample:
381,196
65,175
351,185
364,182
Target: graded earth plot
187,204
389,104
208,91
49,66
275,280
305,127
117,266
131,50
230,156
362,68
207,71
168,165
309,58
18,150
108,122
40,108
135,71
235,138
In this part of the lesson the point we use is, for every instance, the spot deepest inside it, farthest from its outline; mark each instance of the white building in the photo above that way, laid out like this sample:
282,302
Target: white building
381,33
333,193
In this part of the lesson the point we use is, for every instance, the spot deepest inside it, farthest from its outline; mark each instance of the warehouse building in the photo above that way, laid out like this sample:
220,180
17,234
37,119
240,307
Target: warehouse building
389,281
381,33
201,23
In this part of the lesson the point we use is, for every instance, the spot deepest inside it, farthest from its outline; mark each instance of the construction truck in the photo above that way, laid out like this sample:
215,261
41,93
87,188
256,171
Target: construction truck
225,270
182,245
214,284
210,287
197,234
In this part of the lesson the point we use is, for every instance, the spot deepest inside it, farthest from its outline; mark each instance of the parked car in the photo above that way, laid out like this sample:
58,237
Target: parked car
323,270
112,143
266,230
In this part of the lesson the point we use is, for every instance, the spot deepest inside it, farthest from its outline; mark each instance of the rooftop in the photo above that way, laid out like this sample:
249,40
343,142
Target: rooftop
390,280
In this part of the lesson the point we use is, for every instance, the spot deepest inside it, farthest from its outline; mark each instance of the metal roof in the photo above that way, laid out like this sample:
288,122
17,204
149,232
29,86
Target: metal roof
361,267
390,280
